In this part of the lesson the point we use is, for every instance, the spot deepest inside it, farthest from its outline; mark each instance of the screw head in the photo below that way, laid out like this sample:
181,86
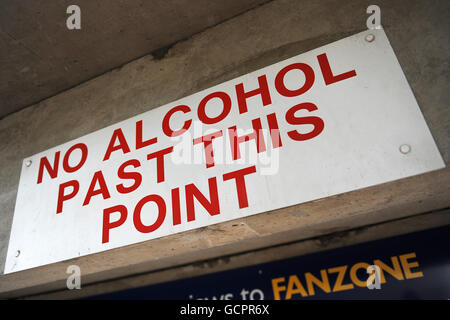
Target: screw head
370,37
17,253
405,148
28,163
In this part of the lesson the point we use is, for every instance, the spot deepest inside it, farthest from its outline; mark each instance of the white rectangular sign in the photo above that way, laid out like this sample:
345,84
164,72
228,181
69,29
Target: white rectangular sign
335,119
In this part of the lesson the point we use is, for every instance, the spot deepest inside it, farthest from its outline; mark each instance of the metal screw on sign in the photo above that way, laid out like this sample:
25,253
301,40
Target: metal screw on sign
28,163
370,37
17,253
405,148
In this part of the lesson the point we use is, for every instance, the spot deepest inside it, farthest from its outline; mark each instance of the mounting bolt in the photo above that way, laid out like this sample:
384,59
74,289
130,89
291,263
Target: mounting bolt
17,253
28,163
370,37
405,148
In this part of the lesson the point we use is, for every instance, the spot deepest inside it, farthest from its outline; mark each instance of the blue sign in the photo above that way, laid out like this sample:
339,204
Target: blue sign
413,266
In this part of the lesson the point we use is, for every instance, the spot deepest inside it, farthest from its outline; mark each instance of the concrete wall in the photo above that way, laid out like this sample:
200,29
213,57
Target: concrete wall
40,57
418,31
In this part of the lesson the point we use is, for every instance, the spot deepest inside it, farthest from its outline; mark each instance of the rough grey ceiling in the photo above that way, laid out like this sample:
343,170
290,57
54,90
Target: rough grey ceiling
40,57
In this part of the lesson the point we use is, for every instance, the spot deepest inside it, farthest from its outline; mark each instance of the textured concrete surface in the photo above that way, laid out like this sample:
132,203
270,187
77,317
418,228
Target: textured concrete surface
418,31
336,240
40,57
